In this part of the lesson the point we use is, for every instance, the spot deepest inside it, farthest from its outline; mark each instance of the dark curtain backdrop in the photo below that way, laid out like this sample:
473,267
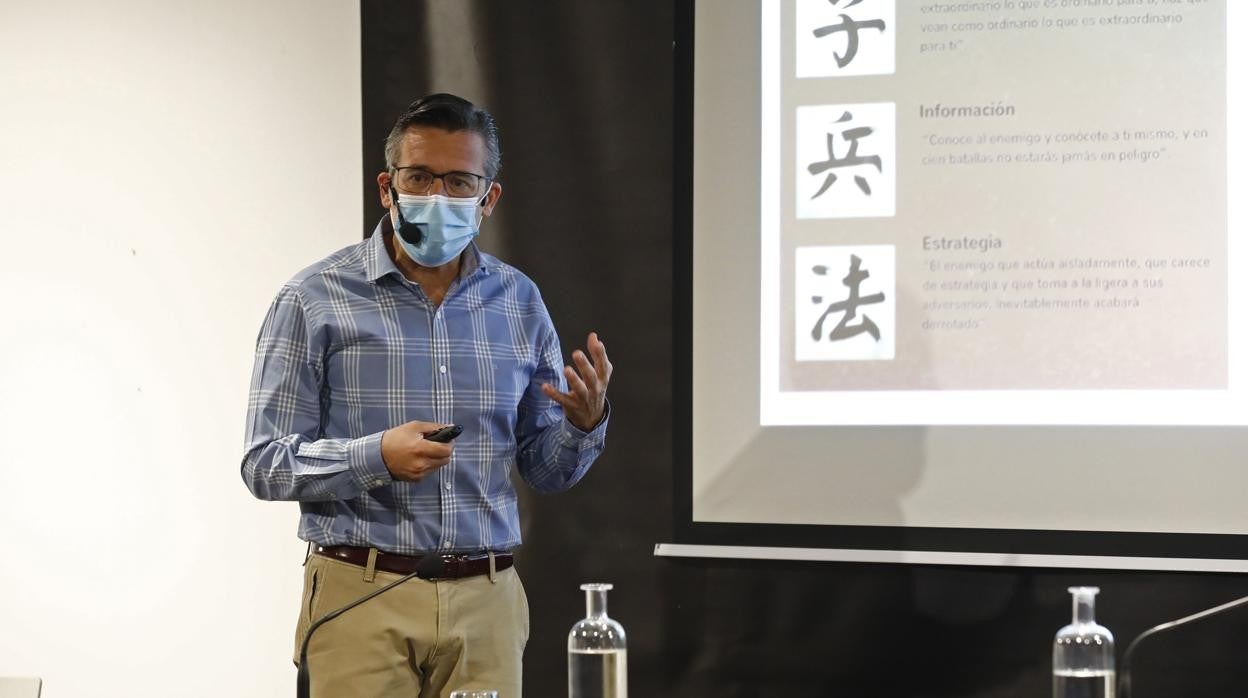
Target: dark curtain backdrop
583,92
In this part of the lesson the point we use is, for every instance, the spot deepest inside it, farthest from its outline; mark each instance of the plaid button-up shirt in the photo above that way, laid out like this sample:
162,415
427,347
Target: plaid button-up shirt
351,348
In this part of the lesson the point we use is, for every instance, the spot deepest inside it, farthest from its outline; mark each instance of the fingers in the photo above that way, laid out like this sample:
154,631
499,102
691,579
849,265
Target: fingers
573,405
580,394
587,377
409,456
422,427
567,400
587,380
434,464
428,456
432,450
602,365
597,374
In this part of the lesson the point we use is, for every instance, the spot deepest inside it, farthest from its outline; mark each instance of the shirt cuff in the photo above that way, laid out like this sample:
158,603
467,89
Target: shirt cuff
584,440
366,463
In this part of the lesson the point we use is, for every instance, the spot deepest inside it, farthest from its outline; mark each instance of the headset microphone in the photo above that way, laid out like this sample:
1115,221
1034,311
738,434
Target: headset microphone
406,229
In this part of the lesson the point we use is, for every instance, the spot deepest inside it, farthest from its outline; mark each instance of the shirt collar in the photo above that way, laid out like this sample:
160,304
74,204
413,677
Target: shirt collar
377,260
378,264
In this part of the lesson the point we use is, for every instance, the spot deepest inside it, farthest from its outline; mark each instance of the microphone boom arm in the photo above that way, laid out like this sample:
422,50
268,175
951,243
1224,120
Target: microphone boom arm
1124,680
303,681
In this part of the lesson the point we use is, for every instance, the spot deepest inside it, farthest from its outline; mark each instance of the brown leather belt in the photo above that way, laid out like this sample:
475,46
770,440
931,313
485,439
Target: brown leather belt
429,567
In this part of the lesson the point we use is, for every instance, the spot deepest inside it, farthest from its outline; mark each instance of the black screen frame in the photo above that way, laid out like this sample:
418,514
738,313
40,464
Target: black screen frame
844,537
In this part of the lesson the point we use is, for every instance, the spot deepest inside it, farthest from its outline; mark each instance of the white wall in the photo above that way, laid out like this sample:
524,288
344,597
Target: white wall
163,168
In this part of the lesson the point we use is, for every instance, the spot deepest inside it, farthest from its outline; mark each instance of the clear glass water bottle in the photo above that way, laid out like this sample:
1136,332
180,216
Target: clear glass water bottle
1083,652
597,651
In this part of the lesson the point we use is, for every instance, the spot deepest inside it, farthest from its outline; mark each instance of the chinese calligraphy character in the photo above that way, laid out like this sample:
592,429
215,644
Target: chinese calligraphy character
851,159
851,29
849,306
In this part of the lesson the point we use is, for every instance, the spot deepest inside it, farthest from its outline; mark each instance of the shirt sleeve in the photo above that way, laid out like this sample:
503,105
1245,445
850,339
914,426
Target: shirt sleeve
554,454
284,456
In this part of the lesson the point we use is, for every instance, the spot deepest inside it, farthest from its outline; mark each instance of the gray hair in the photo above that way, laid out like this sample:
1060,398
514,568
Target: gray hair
449,113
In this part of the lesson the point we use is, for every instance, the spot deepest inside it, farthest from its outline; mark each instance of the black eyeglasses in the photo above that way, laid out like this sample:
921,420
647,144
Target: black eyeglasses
418,181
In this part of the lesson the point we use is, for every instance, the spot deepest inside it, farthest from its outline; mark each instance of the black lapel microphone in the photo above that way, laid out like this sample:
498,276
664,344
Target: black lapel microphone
429,567
406,229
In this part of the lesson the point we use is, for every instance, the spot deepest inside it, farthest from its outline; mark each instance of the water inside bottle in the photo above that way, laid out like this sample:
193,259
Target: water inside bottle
598,673
1083,684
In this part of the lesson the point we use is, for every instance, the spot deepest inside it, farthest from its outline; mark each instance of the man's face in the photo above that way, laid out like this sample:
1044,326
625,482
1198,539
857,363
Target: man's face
439,152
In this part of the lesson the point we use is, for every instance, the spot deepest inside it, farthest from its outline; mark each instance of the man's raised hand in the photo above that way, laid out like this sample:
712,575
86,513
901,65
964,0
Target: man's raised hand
586,398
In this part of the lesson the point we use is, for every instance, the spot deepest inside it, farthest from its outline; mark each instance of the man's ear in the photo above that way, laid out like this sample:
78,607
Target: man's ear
383,188
491,198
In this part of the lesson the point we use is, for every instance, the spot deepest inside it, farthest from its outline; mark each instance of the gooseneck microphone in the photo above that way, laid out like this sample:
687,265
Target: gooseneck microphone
1124,678
429,567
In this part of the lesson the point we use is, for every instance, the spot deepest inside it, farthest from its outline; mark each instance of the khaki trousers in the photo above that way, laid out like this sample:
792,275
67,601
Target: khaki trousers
422,638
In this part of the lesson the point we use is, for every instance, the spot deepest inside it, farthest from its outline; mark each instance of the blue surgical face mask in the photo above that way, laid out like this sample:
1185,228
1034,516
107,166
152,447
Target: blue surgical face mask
434,229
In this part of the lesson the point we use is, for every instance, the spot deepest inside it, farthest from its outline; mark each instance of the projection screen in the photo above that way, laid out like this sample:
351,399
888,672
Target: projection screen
962,282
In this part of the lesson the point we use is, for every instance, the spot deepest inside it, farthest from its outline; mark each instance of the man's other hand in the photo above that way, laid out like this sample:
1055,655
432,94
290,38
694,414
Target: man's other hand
586,398
409,455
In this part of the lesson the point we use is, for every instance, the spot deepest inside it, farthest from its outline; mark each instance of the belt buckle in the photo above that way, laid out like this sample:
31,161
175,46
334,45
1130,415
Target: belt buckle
453,566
